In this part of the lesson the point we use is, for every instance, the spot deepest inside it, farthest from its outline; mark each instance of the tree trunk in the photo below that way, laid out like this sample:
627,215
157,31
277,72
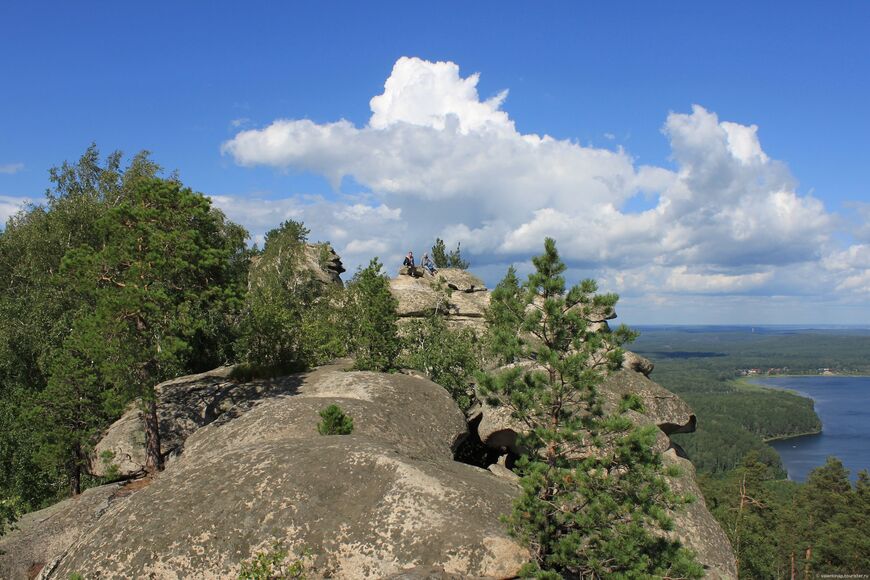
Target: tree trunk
75,472
153,457
808,561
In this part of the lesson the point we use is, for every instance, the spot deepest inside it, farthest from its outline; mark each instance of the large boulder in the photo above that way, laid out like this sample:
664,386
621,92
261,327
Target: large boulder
498,430
322,261
41,537
419,296
186,404
386,500
662,407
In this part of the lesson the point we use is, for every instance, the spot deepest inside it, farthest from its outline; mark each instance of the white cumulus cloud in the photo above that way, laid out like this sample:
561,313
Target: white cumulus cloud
437,159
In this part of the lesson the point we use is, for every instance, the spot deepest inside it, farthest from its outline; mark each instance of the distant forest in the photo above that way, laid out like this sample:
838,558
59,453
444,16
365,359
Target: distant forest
703,365
778,528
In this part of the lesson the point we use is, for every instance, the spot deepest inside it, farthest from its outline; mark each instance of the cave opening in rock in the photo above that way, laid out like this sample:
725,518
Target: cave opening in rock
472,451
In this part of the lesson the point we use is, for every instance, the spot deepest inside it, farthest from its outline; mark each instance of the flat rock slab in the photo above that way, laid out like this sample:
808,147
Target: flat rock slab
41,537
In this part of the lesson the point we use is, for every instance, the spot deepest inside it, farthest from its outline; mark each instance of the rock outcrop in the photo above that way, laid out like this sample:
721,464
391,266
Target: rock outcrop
385,500
186,404
316,260
322,261
247,468
41,537
696,527
419,296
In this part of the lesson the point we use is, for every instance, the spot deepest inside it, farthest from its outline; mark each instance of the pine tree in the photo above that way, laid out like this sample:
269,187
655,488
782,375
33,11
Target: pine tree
593,487
45,418
370,312
439,254
826,524
75,405
334,422
163,272
748,514
455,259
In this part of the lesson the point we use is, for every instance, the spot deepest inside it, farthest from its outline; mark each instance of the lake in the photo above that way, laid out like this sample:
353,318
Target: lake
843,405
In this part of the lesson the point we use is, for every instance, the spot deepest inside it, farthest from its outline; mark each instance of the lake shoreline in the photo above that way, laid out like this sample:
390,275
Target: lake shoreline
793,436
840,403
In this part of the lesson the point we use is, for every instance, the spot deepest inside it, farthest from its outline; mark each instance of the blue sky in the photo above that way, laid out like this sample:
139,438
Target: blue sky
693,216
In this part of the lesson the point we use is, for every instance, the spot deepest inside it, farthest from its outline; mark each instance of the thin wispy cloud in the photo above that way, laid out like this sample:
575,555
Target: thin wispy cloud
11,168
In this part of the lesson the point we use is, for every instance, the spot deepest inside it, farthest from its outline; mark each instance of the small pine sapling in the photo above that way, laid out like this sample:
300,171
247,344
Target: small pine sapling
334,422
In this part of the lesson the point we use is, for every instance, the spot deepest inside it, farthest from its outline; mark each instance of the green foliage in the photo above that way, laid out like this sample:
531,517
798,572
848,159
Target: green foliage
162,271
110,468
119,280
455,259
370,316
291,319
448,357
439,253
818,527
334,422
829,522
286,235
593,487
442,259
745,508
274,564
10,511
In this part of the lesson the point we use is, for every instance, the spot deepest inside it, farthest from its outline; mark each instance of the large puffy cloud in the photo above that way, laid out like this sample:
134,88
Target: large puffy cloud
439,160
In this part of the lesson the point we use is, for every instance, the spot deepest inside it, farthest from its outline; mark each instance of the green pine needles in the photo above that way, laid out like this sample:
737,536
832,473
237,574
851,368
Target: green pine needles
334,422
595,499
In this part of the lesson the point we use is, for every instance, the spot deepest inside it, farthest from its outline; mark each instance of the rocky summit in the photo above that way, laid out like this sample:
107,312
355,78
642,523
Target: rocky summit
247,470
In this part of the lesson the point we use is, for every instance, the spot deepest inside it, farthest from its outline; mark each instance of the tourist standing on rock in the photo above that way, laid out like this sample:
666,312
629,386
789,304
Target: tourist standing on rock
409,260
428,264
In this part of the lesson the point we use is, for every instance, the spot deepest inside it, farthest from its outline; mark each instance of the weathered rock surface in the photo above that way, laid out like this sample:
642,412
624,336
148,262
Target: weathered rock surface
497,429
322,261
696,527
662,407
635,362
418,296
385,500
41,537
186,404
318,260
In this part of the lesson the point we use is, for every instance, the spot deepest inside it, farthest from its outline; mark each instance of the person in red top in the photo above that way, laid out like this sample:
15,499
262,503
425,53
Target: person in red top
409,259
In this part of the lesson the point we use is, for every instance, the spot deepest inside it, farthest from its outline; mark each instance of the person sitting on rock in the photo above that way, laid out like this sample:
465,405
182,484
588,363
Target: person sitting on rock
409,260
428,264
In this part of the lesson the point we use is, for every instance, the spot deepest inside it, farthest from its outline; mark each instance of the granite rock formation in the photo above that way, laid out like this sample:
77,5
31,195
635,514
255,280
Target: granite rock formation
385,500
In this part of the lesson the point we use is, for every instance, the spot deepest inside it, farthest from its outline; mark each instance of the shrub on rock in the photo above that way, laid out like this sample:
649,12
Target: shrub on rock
334,422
